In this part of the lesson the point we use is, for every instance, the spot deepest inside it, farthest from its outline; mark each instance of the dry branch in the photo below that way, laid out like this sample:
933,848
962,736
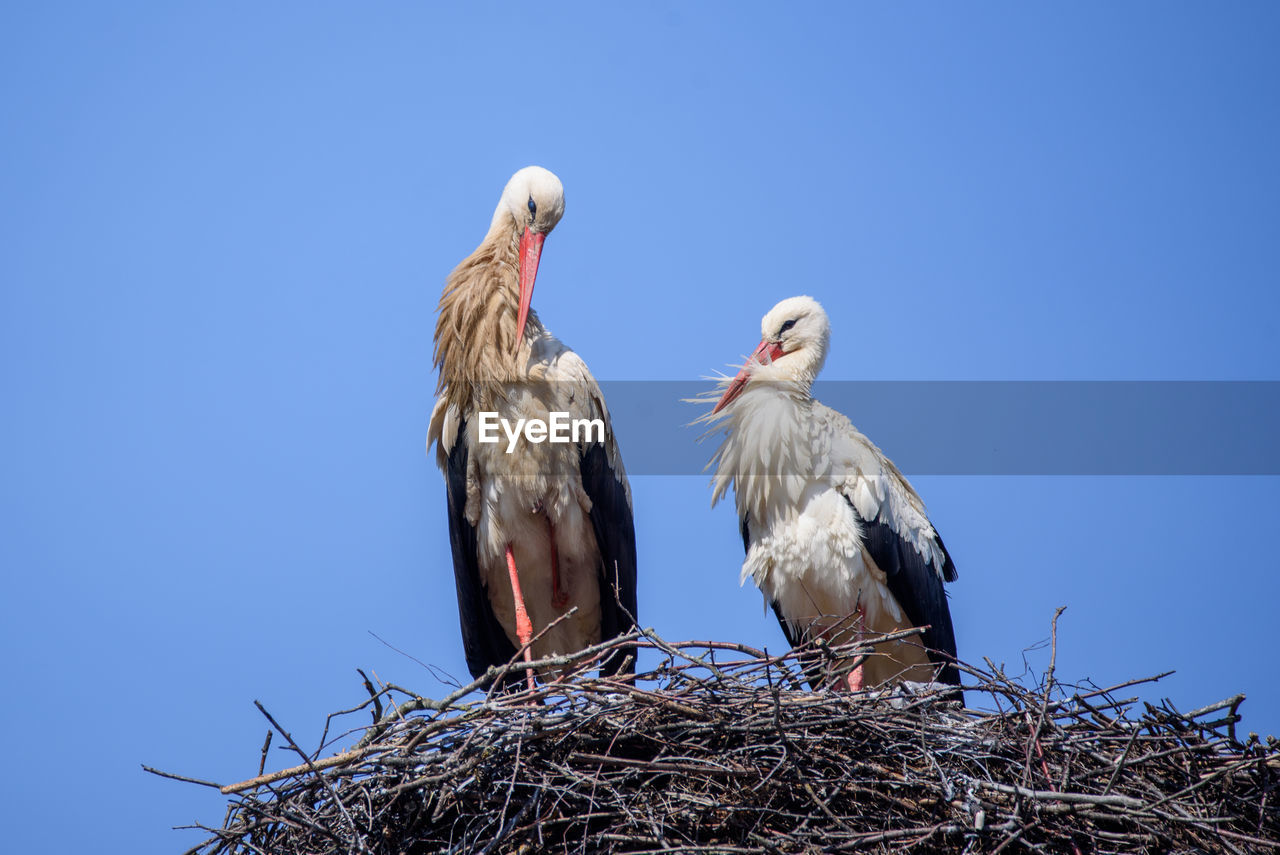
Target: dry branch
716,750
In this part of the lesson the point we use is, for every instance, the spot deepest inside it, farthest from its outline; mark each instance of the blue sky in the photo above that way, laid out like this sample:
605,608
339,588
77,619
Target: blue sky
225,227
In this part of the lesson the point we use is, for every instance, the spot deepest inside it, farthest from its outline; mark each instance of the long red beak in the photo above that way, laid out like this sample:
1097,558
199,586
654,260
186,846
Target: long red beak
767,352
530,252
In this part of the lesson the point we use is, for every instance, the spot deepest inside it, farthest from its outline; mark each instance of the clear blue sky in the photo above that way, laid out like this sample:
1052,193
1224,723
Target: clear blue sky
224,228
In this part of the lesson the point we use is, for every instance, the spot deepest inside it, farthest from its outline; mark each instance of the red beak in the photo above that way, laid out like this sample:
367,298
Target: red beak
767,352
530,252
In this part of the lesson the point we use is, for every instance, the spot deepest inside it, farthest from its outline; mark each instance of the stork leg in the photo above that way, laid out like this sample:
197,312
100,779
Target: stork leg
559,598
524,626
854,677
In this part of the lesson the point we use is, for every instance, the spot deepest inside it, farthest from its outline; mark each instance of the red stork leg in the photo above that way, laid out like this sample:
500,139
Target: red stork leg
854,677
524,626
559,598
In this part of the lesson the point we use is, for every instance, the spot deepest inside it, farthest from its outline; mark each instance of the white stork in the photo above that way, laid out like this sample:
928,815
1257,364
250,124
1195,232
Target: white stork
548,526
836,539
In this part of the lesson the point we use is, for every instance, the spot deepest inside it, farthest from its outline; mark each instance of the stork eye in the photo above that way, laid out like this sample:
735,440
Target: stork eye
787,325
533,207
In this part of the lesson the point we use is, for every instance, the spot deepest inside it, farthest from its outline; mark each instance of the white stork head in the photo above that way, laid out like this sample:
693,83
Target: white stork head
793,345
534,201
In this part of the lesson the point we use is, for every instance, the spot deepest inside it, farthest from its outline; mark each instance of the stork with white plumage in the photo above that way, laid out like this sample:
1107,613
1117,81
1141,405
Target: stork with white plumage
836,538
548,527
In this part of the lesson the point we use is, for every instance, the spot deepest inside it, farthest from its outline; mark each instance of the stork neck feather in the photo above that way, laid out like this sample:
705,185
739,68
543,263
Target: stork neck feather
764,455
476,321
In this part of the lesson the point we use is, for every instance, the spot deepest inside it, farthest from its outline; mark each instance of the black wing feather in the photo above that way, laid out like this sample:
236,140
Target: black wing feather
483,638
616,536
793,638
917,587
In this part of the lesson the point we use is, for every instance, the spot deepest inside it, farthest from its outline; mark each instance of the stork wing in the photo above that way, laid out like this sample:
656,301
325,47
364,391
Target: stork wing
616,537
604,480
897,533
917,586
483,638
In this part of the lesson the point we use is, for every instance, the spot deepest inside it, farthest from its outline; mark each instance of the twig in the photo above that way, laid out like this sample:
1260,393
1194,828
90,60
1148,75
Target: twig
711,750
266,746
176,777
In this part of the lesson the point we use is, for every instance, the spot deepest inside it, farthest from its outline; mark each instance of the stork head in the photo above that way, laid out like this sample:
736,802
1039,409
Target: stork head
534,199
793,346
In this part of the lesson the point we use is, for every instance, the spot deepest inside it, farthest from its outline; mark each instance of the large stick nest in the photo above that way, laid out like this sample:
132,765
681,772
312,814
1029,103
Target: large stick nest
720,748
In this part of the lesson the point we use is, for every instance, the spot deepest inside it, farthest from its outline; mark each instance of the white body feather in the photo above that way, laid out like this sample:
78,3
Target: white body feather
508,495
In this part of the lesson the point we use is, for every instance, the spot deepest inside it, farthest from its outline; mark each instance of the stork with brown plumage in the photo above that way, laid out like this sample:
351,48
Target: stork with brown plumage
547,527
836,538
